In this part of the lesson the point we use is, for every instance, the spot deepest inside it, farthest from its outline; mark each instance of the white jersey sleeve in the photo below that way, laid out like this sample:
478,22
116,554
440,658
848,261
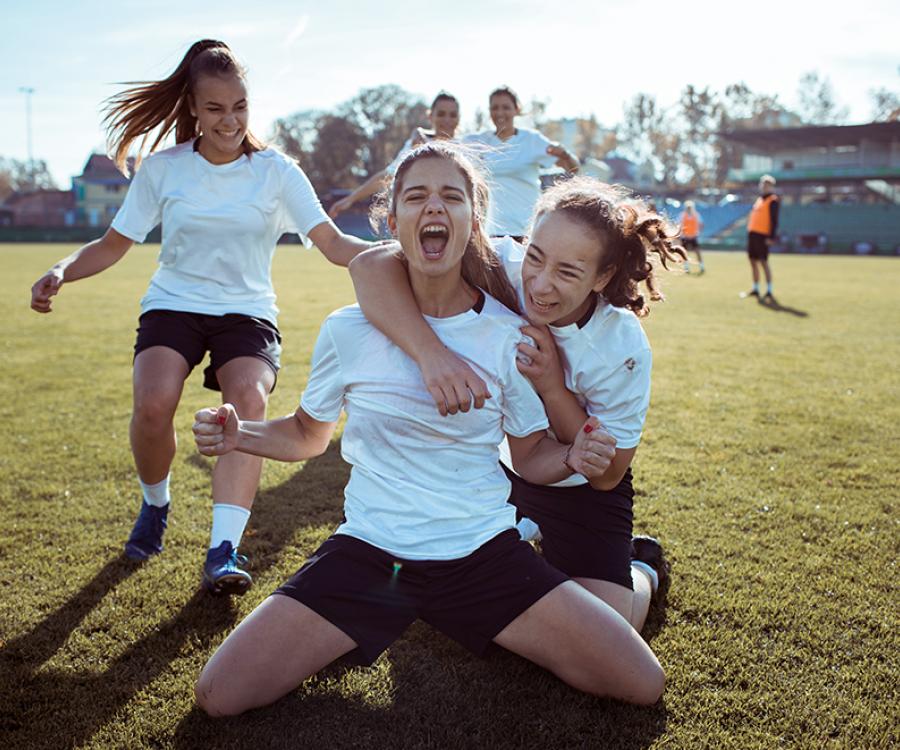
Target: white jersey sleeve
323,398
621,398
302,209
141,210
522,409
391,168
538,144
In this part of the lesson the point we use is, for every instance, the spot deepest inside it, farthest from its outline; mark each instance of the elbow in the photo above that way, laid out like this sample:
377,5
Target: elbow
608,480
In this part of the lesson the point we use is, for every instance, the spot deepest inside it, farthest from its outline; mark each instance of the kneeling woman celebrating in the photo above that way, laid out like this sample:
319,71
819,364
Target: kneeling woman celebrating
428,532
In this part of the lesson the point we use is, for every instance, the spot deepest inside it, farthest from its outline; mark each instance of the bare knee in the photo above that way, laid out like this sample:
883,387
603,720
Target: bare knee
153,411
209,702
250,399
643,685
650,687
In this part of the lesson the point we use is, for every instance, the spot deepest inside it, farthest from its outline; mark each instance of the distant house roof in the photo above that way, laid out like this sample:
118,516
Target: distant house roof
100,169
769,139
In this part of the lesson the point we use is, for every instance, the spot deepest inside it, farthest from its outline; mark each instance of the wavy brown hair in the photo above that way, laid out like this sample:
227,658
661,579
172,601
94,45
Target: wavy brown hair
480,265
147,105
630,233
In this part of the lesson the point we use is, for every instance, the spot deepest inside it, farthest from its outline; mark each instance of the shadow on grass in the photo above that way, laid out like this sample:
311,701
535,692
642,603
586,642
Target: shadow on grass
49,708
440,697
770,303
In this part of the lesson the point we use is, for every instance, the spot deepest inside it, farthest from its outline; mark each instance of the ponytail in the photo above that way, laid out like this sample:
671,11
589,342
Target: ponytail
138,110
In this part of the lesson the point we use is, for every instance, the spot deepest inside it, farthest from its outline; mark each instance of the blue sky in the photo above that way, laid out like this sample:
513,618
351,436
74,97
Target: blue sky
584,56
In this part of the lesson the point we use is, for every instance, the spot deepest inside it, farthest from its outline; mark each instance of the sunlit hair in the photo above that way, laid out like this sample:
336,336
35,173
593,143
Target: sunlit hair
630,233
444,96
506,90
147,105
689,206
480,265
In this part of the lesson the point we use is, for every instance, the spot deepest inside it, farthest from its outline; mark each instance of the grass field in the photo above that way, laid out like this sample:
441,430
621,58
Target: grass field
770,467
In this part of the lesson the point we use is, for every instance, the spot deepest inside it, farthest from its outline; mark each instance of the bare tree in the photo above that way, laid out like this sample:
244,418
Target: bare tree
386,115
700,110
19,176
337,149
885,105
817,102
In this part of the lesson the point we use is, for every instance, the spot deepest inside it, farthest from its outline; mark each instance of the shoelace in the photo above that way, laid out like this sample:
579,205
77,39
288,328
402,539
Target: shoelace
235,559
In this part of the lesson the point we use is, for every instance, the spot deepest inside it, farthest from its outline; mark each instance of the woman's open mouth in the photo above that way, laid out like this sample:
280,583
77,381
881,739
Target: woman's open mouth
433,238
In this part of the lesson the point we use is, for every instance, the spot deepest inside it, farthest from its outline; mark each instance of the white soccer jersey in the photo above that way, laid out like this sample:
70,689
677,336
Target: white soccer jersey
422,486
607,362
514,167
220,224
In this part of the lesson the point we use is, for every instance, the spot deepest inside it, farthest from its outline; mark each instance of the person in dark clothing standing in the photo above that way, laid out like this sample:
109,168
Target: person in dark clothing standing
761,229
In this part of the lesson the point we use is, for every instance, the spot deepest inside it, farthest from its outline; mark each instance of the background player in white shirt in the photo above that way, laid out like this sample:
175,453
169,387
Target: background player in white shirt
224,199
428,531
443,115
514,158
578,285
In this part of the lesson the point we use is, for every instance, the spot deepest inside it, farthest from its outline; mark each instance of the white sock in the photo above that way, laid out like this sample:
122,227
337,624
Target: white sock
651,574
156,494
529,530
229,522
768,288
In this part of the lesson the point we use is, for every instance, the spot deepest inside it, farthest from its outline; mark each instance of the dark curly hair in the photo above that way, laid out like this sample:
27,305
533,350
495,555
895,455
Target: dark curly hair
629,231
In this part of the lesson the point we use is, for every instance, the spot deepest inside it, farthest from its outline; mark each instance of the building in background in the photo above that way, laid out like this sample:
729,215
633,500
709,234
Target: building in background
99,191
839,184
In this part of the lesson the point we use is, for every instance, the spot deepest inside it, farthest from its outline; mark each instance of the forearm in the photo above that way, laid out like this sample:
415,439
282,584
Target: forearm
91,259
337,247
566,415
386,299
544,463
283,439
369,187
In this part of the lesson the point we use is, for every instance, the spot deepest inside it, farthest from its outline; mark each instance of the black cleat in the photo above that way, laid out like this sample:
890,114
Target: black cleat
751,293
648,550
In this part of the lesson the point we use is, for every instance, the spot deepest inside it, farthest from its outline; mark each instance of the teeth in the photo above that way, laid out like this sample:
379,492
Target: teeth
434,229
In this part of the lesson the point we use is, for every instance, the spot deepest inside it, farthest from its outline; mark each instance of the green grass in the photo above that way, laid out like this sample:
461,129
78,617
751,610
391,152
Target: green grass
769,466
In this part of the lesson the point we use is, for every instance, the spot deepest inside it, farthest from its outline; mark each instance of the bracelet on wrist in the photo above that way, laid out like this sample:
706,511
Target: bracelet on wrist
567,457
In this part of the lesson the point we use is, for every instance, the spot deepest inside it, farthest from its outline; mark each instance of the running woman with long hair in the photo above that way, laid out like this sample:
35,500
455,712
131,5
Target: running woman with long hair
428,531
578,284
224,198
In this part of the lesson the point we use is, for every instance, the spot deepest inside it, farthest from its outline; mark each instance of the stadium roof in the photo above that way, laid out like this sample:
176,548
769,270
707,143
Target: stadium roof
814,135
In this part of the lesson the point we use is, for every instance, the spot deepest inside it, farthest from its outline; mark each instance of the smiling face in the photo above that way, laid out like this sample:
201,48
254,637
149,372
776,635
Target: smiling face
444,117
432,216
220,105
561,270
503,112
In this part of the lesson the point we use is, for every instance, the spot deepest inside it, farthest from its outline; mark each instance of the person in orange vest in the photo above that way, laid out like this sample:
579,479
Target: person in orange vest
691,225
761,229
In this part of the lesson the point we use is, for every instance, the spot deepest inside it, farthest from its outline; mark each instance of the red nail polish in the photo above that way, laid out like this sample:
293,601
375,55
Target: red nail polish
588,428
221,419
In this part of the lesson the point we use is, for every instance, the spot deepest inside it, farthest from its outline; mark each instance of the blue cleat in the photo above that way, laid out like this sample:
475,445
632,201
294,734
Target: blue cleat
146,536
221,574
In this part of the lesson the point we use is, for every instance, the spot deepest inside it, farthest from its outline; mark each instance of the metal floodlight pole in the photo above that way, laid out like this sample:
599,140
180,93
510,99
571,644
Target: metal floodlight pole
28,91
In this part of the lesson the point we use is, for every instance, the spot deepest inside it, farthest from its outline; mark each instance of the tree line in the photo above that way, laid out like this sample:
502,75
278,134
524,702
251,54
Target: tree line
681,142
